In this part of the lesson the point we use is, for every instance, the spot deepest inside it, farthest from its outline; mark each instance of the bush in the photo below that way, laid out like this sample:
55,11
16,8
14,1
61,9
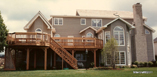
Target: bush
125,67
101,64
156,63
141,63
92,64
136,63
145,64
150,63
134,66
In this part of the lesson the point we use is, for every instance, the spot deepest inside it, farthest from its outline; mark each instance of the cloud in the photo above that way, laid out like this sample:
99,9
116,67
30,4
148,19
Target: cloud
17,13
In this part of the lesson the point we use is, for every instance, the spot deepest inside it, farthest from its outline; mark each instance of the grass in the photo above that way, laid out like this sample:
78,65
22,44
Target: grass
127,72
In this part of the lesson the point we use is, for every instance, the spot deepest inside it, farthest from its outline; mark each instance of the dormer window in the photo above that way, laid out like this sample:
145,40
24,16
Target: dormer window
147,31
83,21
58,21
96,22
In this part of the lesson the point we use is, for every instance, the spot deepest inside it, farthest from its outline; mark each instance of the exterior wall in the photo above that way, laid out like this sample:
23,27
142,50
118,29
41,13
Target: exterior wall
39,24
155,47
150,52
71,26
126,31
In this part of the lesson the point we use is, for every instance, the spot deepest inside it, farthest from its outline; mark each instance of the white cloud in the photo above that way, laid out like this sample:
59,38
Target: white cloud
17,13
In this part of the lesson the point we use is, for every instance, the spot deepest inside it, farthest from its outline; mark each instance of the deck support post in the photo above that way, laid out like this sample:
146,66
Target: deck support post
34,59
27,67
94,58
45,63
54,66
73,53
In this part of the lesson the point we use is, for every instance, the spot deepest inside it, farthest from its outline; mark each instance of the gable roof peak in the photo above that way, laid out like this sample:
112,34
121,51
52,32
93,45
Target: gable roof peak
43,18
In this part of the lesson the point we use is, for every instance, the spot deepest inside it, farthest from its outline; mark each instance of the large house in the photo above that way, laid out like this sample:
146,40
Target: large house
76,41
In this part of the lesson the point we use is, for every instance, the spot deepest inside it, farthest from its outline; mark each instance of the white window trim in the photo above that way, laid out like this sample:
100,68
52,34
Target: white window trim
105,35
37,31
119,35
147,30
58,21
57,34
81,22
96,25
119,56
91,33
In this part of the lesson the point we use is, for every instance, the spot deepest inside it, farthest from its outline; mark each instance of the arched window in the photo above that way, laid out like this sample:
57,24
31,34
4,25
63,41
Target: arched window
56,35
119,35
38,30
89,34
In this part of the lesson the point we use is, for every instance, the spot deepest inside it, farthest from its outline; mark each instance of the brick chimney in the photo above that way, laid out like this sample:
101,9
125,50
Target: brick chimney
140,37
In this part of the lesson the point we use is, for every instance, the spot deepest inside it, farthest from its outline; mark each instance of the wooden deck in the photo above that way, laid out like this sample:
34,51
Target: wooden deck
39,39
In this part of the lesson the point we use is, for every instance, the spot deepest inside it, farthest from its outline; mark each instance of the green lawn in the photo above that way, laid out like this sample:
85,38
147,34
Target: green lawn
127,72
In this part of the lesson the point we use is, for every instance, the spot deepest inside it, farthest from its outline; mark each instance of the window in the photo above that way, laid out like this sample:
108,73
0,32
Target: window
147,31
83,21
70,41
107,36
57,35
58,21
89,34
119,58
80,56
96,22
119,35
38,30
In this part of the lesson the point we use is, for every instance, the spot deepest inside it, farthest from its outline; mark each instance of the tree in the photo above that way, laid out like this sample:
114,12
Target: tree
3,34
109,51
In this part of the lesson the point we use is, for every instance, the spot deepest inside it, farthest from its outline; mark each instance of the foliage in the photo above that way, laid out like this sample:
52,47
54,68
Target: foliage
150,63
92,64
145,64
3,34
141,63
101,64
134,66
156,63
110,49
136,63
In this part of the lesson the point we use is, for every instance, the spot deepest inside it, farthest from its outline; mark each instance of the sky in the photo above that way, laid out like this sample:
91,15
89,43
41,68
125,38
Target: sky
17,13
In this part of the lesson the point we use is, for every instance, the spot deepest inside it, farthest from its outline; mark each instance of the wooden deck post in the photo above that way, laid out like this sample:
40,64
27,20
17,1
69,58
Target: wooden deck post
54,60
73,53
94,58
34,59
45,63
27,67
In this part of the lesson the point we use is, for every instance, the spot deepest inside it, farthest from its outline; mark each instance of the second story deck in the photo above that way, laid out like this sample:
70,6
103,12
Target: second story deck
40,39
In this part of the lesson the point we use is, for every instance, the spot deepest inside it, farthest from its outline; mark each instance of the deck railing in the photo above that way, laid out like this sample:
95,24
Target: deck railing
31,38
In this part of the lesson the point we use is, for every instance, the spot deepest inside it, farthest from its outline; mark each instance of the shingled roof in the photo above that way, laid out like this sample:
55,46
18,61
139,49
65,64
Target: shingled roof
106,13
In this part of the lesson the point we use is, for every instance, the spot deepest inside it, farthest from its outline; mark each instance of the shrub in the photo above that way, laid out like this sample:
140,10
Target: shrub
134,66
145,64
156,63
136,63
92,64
125,67
101,64
150,63
141,63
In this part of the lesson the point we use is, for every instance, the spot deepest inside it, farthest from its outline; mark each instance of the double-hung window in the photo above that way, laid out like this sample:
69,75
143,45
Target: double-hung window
107,36
58,21
97,22
83,21
119,35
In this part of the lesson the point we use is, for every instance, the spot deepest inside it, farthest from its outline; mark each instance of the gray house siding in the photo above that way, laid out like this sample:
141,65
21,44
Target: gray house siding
149,46
39,24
